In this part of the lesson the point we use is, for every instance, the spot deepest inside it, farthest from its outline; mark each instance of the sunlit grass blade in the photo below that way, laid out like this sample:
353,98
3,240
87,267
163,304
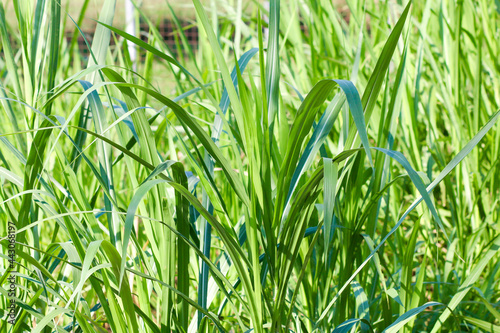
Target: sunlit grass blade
273,63
407,316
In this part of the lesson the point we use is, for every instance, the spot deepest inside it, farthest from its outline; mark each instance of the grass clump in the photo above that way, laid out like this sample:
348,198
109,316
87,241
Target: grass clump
309,167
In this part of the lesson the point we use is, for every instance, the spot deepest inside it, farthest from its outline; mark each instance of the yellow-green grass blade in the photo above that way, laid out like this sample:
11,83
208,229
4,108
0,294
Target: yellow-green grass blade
273,62
484,325
124,289
55,28
407,316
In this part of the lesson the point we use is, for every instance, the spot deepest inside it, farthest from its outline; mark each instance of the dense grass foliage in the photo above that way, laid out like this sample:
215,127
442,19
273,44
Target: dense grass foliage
310,167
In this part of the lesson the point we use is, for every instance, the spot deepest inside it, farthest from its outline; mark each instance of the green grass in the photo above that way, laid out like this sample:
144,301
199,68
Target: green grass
338,179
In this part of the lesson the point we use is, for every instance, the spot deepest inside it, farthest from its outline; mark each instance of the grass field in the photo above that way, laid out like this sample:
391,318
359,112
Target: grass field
154,9
309,167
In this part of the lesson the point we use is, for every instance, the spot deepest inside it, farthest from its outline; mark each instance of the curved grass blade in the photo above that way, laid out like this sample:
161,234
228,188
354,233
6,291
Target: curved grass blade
301,127
407,316
48,318
417,181
347,326
318,137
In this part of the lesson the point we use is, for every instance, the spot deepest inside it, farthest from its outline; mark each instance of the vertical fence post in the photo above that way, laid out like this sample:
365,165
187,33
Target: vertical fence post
266,19
130,29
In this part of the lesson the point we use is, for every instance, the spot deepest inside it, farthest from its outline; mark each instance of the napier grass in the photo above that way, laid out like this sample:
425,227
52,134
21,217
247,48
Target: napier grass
309,167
